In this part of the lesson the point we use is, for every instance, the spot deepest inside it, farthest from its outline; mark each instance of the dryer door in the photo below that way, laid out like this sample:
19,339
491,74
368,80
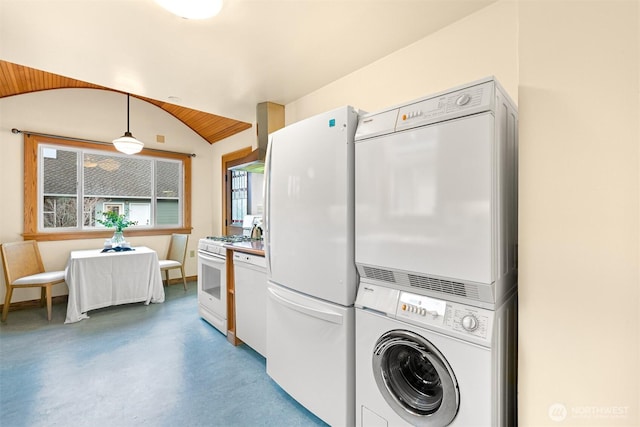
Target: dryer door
415,379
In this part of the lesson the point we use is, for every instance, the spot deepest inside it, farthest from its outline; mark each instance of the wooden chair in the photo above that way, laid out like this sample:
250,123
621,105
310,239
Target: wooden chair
23,268
175,257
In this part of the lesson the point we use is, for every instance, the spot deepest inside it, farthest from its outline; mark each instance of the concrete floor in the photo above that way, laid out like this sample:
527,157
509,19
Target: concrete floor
135,365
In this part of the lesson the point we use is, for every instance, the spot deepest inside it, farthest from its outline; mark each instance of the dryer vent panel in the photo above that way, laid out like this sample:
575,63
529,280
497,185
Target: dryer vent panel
379,274
444,286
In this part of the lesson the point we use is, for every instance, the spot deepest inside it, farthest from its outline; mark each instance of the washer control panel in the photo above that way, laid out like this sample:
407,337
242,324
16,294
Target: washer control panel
427,311
421,309
469,320
455,319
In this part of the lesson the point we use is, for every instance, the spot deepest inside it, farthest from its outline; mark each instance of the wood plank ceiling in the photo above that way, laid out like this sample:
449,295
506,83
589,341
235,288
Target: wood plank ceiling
17,79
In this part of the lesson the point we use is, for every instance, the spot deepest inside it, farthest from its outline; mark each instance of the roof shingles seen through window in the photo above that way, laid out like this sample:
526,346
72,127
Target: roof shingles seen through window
115,176
60,172
109,176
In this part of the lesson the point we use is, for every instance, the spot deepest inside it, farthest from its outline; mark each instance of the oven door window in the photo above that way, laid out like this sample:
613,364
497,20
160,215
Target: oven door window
415,379
212,280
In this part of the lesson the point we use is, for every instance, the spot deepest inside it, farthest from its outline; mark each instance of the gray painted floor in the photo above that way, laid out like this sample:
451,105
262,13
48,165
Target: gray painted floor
135,365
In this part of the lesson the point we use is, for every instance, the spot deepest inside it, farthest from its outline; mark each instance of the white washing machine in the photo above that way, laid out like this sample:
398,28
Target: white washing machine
422,361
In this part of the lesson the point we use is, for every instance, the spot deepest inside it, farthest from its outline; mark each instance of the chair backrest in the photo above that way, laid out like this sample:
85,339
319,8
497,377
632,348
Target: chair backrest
178,247
20,259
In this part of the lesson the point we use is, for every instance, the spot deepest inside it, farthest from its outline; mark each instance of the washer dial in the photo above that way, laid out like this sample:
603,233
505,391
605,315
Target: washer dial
469,323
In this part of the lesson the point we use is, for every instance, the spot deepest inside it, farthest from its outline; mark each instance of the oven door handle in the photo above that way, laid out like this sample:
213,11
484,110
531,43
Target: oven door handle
215,259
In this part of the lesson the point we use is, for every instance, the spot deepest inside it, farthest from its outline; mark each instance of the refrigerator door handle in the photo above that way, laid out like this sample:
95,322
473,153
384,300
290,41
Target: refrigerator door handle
325,315
267,198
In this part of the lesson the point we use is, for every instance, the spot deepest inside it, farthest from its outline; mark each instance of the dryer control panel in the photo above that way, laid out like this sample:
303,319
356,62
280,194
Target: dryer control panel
471,99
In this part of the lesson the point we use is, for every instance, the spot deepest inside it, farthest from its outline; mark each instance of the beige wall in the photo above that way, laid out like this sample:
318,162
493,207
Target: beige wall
101,116
579,258
478,46
572,66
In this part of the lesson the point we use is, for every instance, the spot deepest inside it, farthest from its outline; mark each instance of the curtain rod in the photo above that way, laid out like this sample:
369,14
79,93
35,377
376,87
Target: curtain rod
69,138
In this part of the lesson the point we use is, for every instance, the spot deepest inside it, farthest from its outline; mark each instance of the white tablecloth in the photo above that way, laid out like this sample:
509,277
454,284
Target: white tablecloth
99,280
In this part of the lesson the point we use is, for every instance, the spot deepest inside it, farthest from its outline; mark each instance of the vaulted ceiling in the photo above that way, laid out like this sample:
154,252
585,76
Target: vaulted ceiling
17,79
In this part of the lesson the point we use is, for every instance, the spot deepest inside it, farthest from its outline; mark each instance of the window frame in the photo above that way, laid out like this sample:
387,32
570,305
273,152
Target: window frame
31,215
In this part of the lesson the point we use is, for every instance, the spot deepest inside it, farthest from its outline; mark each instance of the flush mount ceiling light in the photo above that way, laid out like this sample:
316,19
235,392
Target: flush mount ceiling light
127,144
192,9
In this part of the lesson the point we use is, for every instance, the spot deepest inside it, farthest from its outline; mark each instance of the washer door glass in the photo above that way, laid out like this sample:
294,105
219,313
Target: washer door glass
415,379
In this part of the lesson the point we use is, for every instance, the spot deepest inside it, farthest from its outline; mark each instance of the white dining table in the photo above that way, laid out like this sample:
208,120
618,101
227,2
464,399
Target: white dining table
99,279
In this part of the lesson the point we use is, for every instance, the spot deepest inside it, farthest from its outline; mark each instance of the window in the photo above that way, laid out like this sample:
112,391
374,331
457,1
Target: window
228,160
69,184
239,197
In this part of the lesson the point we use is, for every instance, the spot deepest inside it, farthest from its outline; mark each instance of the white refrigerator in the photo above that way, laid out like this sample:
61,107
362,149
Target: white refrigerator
312,279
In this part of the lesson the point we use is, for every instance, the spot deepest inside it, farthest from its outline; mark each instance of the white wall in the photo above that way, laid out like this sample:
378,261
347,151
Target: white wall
573,68
101,116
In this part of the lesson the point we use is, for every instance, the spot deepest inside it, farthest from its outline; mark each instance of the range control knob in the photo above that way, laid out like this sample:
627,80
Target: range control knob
470,323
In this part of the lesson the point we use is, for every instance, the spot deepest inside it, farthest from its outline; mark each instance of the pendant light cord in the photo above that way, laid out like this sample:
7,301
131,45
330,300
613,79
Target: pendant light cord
128,113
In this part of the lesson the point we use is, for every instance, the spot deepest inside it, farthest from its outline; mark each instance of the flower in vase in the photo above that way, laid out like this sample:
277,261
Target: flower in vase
112,219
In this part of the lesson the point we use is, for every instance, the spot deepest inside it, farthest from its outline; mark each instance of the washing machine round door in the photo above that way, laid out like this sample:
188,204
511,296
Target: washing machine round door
415,379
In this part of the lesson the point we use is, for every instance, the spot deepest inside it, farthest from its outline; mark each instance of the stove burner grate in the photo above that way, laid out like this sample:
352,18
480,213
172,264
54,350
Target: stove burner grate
230,239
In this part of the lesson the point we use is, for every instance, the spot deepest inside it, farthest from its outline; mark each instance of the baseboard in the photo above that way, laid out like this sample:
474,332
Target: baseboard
179,280
34,303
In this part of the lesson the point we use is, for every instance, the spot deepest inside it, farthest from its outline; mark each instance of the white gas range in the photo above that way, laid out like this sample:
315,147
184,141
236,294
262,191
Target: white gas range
212,279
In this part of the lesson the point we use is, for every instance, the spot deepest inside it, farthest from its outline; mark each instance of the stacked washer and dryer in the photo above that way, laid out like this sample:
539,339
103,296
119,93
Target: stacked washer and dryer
436,251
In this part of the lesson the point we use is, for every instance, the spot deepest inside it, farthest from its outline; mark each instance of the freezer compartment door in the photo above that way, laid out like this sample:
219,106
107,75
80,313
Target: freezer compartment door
311,353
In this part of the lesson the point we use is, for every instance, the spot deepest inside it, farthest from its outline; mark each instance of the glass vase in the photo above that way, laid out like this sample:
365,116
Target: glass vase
117,240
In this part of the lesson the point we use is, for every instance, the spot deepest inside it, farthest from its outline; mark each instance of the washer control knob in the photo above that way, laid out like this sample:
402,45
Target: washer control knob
470,323
463,99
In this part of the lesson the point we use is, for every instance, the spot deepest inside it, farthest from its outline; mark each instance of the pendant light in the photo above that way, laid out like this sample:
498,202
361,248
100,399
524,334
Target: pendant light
127,144
192,9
